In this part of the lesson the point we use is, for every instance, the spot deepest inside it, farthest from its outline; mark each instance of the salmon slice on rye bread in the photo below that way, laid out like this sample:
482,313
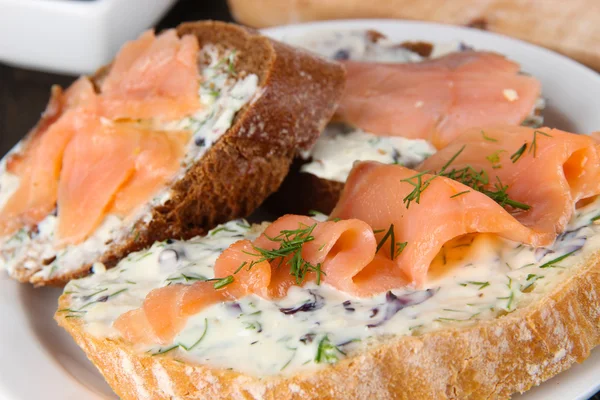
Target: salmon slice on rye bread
414,271
182,131
401,102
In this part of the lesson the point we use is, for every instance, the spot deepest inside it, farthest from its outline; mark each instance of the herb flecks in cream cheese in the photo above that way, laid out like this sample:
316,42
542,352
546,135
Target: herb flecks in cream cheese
223,92
474,278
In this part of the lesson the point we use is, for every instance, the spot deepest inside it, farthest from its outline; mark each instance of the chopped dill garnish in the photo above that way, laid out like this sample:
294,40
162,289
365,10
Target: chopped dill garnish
534,142
289,252
222,282
146,254
494,158
388,234
531,279
400,246
596,218
443,319
488,138
221,229
288,361
241,224
376,231
184,347
517,154
510,299
475,283
327,352
479,181
200,339
231,64
550,264
420,185
459,193
396,248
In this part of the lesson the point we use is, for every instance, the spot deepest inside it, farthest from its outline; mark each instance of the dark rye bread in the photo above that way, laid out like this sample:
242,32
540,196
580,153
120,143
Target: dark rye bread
489,360
299,93
303,192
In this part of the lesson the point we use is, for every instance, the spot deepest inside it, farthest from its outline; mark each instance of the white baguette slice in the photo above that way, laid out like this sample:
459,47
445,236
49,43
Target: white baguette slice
542,23
490,359
296,94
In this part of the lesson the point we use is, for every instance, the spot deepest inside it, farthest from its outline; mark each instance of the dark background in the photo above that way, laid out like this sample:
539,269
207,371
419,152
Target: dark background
24,93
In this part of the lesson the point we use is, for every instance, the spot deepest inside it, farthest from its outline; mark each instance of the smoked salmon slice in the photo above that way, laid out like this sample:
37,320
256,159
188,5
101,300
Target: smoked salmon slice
153,77
86,162
38,165
158,159
437,99
548,169
341,254
447,209
96,164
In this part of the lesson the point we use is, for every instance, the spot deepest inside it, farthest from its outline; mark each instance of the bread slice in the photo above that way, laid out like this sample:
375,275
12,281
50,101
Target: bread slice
533,22
489,359
296,97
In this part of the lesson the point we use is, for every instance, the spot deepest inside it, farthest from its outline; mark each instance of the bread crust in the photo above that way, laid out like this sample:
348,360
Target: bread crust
303,193
533,21
249,162
491,359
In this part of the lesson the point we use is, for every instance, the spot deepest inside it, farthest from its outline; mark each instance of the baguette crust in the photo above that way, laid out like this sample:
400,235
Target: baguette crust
492,359
537,22
299,95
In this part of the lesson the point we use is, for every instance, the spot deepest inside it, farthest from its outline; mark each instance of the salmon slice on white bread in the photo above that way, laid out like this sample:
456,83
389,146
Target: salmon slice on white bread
401,102
413,271
182,131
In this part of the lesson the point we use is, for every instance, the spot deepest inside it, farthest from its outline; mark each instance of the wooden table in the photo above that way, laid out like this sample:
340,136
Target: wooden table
24,93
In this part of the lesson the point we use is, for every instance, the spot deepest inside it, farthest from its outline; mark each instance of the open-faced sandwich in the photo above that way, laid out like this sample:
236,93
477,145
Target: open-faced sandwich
182,131
401,102
473,276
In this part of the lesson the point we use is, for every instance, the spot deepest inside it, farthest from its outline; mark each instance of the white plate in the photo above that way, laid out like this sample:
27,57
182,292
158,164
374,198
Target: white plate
38,359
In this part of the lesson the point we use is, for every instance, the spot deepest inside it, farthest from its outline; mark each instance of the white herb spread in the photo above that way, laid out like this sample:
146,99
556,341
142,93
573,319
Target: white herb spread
334,154
223,93
483,278
337,149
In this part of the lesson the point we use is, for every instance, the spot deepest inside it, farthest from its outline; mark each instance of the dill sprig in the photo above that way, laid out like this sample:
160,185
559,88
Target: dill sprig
420,185
479,181
396,248
551,263
289,253
517,154
534,141
488,138
532,148
327,352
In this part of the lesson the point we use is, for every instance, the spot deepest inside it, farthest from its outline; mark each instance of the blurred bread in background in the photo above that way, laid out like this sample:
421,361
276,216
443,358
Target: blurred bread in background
568,27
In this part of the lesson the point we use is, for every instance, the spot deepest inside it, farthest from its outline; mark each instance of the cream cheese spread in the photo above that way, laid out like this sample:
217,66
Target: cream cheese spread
223,92
474,278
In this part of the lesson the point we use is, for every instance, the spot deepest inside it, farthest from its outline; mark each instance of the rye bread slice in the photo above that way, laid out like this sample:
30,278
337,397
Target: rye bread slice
491,359
298,95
